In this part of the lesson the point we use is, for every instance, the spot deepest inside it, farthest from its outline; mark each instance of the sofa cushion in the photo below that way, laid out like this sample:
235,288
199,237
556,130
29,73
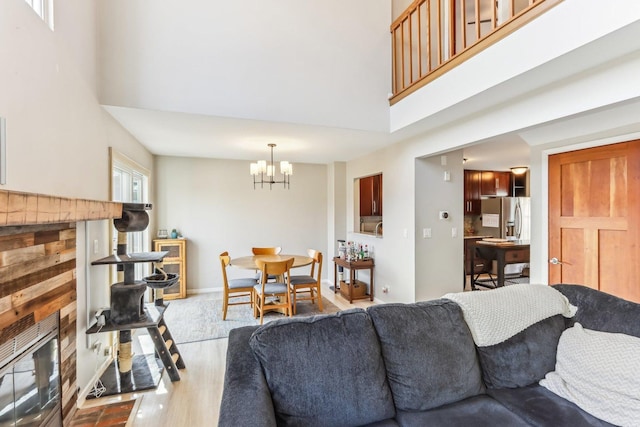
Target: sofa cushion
524,358
324,370
245,394
599,372
428,353
474,411
540,407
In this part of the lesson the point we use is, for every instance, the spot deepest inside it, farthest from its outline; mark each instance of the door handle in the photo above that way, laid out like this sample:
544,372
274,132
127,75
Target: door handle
555,261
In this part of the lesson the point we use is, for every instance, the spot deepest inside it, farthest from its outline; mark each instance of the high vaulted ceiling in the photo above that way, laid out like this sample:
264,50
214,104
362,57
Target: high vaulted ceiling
223,79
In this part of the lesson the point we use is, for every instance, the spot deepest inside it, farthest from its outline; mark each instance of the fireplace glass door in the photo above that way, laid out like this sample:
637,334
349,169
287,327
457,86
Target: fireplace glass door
30,387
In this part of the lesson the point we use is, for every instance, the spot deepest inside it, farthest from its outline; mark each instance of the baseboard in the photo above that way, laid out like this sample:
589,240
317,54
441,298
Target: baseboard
204,290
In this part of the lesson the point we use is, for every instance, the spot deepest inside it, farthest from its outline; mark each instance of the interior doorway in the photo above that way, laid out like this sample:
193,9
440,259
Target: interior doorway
492,162
594,212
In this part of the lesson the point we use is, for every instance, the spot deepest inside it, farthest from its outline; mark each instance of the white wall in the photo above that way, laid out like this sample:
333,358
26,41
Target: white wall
437,273
399,6
57,133
394,253
255,59
336,207
213,203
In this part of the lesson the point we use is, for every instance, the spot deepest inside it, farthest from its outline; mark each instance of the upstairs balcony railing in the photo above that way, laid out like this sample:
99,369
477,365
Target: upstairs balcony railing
433,36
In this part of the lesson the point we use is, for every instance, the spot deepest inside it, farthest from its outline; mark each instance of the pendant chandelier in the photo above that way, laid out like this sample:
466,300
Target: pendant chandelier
264,173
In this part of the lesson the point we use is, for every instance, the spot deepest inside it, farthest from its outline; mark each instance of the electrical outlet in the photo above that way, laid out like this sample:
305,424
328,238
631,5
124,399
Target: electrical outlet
385,289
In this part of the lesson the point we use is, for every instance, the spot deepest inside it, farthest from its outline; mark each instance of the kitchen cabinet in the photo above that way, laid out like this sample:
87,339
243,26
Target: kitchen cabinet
520,187
495,183
175,262
371,195
472,192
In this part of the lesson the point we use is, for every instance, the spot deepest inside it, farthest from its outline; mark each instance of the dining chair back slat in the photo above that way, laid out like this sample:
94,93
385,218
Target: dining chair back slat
275,250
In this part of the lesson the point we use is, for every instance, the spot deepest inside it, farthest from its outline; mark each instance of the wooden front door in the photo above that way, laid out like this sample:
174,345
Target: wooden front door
594,218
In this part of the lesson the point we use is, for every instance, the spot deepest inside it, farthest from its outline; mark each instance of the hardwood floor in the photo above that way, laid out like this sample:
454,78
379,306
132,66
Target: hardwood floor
195,399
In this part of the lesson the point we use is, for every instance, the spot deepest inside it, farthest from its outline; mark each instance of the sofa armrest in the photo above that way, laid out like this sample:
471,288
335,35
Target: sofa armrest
246,399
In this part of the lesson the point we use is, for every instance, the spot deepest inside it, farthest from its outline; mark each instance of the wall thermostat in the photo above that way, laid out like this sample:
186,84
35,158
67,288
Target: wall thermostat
443,215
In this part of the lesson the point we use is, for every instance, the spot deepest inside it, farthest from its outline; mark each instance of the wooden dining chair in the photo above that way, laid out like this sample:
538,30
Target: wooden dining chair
308,284
267,251
275,250
235,288
278,291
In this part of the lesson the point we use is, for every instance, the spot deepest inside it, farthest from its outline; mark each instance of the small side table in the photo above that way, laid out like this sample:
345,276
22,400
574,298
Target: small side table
347,288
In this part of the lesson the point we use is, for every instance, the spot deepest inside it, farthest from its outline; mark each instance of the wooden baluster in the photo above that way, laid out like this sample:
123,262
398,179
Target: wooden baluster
478,20
463,22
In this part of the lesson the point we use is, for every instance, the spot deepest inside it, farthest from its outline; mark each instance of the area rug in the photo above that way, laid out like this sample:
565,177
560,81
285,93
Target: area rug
199,317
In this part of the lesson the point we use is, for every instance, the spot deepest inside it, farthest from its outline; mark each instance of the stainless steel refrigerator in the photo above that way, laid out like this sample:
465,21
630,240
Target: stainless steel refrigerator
506,217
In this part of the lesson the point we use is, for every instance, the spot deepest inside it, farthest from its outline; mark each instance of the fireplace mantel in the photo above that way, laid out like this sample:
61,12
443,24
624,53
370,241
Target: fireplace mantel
18,208
38,271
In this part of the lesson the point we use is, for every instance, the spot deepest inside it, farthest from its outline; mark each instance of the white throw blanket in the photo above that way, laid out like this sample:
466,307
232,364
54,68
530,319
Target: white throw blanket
496,315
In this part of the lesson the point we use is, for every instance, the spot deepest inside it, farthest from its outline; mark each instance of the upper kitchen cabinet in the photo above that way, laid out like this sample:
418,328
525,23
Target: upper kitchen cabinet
472,192
371,196
494,183
520,184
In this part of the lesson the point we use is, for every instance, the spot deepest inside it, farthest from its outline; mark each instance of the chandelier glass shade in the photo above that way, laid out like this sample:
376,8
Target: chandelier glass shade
264,172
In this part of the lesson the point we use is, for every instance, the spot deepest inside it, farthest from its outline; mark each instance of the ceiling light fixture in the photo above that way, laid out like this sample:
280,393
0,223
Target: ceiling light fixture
267,170
519,170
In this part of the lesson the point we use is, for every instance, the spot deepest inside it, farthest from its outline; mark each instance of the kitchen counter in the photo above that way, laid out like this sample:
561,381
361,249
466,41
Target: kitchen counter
476,236
509,252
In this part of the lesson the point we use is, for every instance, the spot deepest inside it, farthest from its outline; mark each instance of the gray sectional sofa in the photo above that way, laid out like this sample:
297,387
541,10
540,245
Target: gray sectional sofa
407,365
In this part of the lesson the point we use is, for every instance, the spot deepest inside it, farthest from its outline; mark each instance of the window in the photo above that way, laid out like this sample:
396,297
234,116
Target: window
44,9
130,184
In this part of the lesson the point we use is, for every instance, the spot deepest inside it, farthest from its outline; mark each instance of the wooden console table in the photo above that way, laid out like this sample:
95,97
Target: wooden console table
347,288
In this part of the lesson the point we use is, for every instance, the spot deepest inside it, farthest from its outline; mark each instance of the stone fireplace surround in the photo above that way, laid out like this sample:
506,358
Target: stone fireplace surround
38,271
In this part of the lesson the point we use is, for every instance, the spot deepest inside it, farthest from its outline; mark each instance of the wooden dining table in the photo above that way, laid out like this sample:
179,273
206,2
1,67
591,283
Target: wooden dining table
249,263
